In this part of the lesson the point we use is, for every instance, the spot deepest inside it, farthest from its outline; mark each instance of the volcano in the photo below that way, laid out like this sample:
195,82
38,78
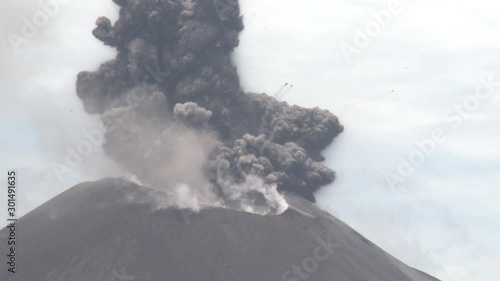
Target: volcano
116,230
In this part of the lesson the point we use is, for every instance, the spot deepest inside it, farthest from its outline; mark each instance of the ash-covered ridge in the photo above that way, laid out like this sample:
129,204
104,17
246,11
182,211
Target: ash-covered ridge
116,230
172,97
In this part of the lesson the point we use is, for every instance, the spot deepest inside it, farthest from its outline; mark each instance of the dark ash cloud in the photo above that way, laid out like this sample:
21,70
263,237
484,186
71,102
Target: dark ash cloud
173,92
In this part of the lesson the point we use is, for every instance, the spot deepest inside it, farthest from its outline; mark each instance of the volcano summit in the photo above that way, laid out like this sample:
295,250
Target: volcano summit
116,230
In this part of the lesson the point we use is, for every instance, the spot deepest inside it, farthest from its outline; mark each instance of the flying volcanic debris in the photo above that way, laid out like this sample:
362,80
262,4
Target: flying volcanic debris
175,113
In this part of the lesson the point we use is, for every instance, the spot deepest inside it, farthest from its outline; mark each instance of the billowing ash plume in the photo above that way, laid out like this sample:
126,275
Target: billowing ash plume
175,113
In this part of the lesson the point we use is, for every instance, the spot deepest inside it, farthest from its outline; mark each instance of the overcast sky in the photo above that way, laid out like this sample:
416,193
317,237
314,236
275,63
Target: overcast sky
391,88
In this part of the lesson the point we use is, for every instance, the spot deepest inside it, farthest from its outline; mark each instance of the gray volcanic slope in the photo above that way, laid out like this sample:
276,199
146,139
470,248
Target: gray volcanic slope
104,231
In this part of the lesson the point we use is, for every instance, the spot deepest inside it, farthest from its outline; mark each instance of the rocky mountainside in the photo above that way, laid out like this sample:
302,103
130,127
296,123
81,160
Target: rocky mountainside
115,230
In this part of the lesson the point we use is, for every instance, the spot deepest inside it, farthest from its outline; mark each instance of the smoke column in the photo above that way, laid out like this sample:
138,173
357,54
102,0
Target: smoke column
175,114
